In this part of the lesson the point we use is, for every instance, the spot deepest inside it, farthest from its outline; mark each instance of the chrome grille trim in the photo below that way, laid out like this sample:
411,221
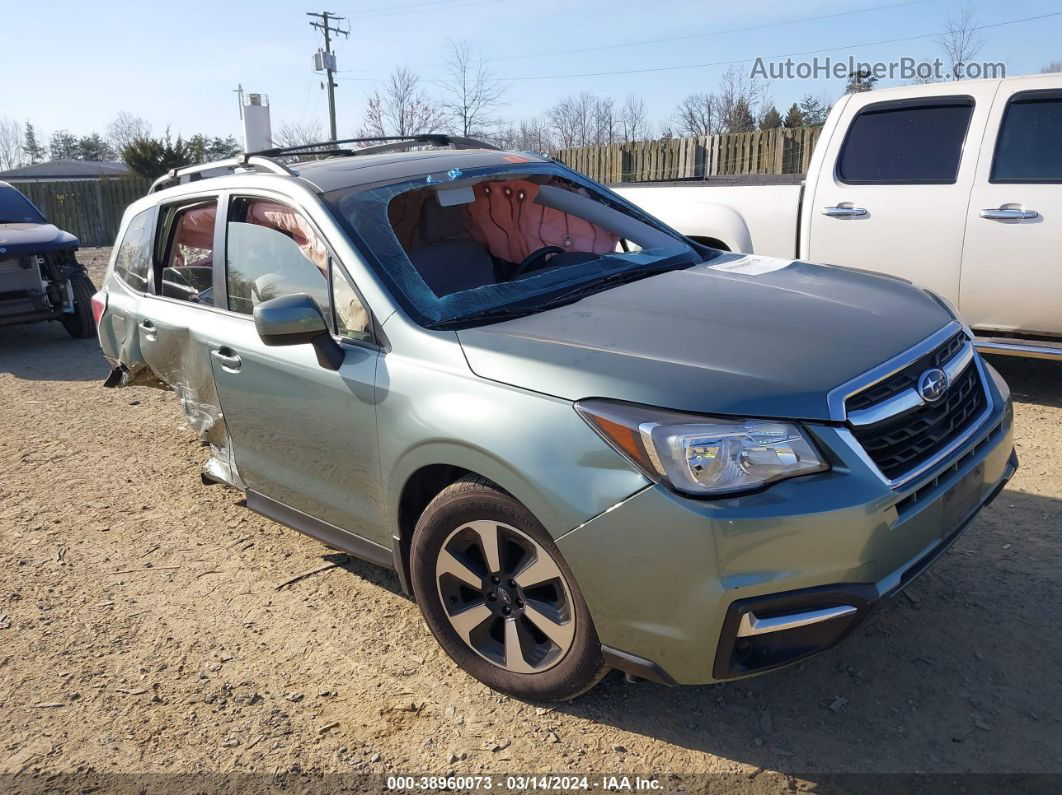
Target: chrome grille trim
835,399
977,427
909,398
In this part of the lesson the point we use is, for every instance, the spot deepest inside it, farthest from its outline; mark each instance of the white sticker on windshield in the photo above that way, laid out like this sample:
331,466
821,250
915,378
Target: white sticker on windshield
751,265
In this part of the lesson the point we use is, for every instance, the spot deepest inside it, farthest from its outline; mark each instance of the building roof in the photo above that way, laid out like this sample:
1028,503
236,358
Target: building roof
67,169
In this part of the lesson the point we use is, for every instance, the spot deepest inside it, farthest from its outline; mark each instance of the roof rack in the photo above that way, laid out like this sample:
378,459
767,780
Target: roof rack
385,143
263,160
197,172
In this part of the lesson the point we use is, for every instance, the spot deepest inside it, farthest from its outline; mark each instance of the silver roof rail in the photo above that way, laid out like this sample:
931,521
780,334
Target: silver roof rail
197,172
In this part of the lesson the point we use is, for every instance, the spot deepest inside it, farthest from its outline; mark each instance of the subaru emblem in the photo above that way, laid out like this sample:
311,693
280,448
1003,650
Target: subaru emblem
932,385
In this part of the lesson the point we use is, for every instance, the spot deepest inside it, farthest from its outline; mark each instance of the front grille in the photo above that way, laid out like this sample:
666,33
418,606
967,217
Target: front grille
907,378
899,444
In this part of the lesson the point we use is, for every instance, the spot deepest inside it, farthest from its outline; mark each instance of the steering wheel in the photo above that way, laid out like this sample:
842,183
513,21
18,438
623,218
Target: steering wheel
534,257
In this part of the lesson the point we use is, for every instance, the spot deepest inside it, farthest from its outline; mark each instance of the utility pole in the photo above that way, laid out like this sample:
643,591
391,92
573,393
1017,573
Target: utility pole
238,91
326,59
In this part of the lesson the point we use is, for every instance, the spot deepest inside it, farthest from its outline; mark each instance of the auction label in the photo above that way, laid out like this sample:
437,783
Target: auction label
524,783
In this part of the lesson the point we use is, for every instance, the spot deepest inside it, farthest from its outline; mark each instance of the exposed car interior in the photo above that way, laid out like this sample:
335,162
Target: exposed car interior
462,237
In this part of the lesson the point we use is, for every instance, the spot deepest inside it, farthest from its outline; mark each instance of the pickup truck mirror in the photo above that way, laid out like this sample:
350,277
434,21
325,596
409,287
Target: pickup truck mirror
296,319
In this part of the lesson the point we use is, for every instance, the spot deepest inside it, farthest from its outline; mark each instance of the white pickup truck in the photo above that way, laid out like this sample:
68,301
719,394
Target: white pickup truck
954,186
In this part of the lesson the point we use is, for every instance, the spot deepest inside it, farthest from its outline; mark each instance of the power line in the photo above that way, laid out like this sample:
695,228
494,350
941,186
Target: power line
457,4
705,35
769,57
373,9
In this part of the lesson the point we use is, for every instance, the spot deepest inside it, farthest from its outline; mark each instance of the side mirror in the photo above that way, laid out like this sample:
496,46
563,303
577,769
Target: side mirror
296,319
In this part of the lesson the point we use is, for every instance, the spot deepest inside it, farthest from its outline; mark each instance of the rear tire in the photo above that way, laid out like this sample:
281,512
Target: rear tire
80,324
499,598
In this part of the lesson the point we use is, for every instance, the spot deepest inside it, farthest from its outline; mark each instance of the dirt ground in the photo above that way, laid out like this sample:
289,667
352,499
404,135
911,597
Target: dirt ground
141,629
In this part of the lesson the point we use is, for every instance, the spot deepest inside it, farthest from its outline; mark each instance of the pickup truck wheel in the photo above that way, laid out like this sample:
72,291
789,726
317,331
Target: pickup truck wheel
80,324
499,598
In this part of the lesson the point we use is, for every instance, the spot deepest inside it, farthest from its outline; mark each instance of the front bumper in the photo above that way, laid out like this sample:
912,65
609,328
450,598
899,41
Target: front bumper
669,579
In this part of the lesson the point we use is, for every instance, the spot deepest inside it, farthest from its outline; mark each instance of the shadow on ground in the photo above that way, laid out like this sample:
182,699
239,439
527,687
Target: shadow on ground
1031,380
45,352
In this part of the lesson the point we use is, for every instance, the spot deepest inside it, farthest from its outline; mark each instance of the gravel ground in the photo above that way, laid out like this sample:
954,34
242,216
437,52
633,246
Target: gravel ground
141,629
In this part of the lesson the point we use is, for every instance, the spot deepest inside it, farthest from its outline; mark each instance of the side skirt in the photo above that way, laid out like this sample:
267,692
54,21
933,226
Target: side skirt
322,531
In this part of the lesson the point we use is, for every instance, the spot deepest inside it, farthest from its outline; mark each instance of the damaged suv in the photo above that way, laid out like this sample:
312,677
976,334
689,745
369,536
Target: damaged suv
40,277
580,439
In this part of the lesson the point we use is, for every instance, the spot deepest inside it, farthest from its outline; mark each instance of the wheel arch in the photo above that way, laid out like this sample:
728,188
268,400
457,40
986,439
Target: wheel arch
425,481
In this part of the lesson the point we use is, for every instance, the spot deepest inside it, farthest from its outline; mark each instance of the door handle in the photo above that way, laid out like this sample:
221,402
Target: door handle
150,332
227,359
1008,214
844,212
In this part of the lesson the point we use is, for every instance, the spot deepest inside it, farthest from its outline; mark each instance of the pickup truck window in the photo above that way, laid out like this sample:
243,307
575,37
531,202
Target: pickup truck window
1029,148
911,142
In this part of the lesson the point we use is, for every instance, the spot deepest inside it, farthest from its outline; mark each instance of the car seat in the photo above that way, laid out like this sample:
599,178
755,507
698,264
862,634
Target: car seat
447,260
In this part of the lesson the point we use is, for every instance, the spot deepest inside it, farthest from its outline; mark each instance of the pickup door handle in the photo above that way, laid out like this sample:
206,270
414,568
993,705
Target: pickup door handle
1008,214
227,359
844,212
150,332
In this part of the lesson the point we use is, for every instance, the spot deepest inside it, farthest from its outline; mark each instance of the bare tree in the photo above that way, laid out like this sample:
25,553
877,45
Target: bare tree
1054,66
126,128
740,97
471,95
402,108
296,134
527,135
572,119
698,114
10,144
605,121
634,119
960,42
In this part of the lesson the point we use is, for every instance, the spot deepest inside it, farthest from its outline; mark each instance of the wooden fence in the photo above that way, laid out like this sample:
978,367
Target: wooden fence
89,209
777,151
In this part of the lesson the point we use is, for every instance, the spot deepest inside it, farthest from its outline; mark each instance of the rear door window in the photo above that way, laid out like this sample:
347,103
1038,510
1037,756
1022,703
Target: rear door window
910,142
1029,148
132,263
273,250
188,263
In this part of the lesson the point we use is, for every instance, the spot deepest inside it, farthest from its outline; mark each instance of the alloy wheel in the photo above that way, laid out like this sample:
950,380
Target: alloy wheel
505,596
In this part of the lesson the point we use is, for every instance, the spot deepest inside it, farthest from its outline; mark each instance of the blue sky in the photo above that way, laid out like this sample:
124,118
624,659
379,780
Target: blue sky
74,65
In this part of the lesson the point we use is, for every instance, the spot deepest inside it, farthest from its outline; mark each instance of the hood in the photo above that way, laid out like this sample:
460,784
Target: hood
711,341
19,240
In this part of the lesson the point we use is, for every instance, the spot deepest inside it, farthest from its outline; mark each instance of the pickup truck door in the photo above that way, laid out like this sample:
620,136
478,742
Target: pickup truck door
1012,257
892,190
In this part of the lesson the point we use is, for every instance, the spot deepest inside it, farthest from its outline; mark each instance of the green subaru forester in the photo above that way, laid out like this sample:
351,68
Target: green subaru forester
581,440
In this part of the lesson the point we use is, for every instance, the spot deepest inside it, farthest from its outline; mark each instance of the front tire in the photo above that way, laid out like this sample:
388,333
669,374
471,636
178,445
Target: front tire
80,324
499,598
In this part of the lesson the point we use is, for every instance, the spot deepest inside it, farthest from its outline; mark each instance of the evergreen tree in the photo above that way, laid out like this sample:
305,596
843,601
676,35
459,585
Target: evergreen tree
794,118
33,150
772,119
859,81
93,147
63,145
740,117
813,110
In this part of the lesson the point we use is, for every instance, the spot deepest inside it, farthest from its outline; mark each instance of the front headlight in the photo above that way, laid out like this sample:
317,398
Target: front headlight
703,456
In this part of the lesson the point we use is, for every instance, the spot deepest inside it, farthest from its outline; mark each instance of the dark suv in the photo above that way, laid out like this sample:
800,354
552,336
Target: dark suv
40,277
